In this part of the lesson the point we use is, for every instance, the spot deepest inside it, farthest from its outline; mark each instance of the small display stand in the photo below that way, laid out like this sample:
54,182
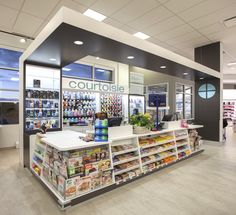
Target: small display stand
101,128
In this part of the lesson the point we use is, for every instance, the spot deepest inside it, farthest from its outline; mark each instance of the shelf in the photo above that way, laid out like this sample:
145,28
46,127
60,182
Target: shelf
182,144
157,151
37,164
78,116
127,170
182,150
158,159
156,144
159,166
125,160
43,89
41,118
38,155
122,138
42,99
42,146
126,179
181,137
41,108
78,99
124,151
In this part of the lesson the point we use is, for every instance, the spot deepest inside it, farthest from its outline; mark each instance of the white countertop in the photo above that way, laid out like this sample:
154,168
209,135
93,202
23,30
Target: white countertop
68,140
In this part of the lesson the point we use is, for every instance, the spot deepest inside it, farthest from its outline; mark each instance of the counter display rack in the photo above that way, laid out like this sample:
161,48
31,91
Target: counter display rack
41,106
78,107
72,168
71,174
111,104
126,159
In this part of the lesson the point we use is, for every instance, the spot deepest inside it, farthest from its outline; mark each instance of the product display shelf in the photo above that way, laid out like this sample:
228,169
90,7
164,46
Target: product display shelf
125,160
157,151
182,143
125,151
127,169
158,167
158,159
182,137
156,144
104,175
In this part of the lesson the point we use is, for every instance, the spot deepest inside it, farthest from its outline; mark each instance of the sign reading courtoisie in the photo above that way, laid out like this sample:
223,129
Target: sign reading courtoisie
92,86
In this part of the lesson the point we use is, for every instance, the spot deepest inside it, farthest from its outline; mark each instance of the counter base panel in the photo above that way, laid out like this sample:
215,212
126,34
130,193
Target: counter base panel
68,203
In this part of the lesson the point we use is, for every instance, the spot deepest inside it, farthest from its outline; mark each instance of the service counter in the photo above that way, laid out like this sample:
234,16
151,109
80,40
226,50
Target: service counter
74,170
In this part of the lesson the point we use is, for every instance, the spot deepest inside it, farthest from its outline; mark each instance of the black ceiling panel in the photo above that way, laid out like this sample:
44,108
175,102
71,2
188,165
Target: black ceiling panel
60,45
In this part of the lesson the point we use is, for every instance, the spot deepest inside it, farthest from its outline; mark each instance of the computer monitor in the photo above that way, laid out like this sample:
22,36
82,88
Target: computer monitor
168,117
114,121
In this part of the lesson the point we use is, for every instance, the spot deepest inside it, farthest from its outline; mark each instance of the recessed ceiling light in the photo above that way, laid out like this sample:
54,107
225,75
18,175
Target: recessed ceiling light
23,40
185,73
53,59
14,79
162,67
130,57
94,15
141,35
231,64
66,69
78,42
97,58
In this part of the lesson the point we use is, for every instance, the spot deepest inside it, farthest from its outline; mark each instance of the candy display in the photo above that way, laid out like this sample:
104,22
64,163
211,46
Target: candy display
78,107
112,105
41,107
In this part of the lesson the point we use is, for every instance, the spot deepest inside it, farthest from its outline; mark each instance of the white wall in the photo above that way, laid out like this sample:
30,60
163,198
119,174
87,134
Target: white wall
9,134
229,94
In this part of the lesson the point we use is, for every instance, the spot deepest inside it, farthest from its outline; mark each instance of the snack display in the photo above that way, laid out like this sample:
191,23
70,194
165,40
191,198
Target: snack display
112,105
78,107
155,140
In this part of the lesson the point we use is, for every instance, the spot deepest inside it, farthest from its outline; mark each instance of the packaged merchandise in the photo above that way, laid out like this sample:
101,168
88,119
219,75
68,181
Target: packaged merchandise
106,178
83,185
70,187
104,165
96,180
91,168
61,184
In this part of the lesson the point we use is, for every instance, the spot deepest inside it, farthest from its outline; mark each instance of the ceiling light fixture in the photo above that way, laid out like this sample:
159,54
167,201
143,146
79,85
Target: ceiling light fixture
78,42
23,40
230,22
231,64
66,69
97,58
162,67
141,35
201,78
94,15
185,73
130,57
53,59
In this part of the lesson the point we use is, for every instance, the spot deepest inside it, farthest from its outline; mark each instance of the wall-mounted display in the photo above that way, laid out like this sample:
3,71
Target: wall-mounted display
78,107
136,104
42,98
111,104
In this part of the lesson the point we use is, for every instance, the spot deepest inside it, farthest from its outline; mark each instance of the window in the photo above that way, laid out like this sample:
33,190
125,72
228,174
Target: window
184,100
76,70
82,71
206,91
9,86
102,74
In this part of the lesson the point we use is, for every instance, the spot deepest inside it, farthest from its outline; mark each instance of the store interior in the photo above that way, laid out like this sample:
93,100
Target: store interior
99,112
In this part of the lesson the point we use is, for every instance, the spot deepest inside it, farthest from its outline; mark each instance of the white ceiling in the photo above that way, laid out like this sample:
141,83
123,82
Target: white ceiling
177,25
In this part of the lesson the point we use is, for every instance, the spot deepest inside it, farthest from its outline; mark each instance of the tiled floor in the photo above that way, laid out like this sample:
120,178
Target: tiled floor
204,185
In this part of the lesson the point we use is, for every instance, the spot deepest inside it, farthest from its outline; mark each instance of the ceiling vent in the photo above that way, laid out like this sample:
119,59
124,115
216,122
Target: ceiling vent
230,22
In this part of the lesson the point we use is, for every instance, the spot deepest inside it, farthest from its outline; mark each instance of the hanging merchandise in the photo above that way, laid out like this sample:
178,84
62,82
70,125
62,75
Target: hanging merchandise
78,107
112,105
